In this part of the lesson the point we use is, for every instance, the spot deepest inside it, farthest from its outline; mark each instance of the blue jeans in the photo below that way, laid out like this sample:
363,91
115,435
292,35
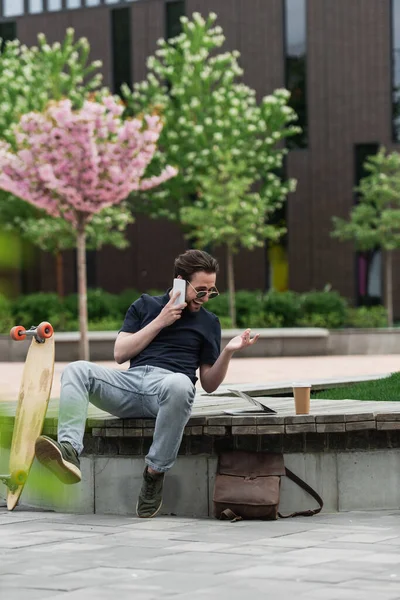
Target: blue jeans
141,392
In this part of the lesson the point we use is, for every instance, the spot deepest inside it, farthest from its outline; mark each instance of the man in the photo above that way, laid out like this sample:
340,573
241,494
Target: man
166,344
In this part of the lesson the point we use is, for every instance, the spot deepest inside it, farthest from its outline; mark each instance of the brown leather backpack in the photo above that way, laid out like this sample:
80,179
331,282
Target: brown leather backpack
247,486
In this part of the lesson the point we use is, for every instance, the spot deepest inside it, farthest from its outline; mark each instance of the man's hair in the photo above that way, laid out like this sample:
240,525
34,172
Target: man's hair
192,261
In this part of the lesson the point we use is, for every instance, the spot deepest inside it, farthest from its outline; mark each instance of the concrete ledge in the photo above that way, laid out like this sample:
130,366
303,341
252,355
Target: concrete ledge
273,342
364,341
353,461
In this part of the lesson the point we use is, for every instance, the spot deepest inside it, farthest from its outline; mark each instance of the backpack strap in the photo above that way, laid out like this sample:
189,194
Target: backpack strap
309,490
229,515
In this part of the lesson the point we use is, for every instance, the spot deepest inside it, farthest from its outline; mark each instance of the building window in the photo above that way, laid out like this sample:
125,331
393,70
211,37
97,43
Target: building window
295,25
13,8
369,263
35,6
121,47
173,12
396,70
73,3
8,32
53,5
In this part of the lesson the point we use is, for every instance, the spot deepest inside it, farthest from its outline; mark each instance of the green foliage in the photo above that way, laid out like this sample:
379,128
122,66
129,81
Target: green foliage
367,316
55,234
282,308
106,324
29,79
247,303
219,305
6,319
101,305
215,133
375,220
124,300
323,309
274,309
33,308
225,322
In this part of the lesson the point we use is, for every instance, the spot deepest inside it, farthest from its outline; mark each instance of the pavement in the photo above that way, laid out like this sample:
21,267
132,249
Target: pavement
242,370
352,556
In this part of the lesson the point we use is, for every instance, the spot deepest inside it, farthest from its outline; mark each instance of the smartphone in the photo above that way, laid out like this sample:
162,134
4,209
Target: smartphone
179,286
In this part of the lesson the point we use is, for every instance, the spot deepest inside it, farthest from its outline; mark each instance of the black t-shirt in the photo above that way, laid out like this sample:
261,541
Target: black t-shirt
193,340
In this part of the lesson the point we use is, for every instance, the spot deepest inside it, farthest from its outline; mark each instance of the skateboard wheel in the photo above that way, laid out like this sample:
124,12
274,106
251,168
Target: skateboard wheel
19,477
18,333
44,330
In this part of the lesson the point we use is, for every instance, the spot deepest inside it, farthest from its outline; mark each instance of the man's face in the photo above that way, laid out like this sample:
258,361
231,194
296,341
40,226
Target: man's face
201,281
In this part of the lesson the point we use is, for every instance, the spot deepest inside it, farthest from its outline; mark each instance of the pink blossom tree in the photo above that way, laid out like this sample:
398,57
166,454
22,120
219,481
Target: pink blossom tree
73,163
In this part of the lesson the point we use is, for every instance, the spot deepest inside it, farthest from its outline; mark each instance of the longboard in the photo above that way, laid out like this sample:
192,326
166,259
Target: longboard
33,399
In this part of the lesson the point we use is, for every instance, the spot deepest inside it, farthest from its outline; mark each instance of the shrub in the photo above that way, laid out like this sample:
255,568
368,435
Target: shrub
323,309
367,316
107,324
282,308
100,305
263,320
247,304
226,322
6,318
219,305
124,300
33,308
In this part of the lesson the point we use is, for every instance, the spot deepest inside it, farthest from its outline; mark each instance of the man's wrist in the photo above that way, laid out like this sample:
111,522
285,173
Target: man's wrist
228,352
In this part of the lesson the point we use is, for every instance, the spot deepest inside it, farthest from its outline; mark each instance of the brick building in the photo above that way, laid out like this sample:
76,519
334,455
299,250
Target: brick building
340,58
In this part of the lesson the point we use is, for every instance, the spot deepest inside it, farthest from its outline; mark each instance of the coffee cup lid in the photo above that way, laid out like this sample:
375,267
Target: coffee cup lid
301,384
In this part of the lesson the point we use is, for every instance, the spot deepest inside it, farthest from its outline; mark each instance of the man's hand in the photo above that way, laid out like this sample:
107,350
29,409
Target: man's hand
170,313
241,341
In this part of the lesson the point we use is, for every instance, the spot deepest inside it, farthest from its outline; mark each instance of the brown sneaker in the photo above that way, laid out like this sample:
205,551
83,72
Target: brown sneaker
60,458
150,497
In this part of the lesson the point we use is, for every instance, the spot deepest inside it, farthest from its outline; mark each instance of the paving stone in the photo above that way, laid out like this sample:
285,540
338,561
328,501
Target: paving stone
387,425
330,418
330,427
244,430
358,425
388,416
372,478
299,419
300,428
359,417
214,430
270,429
219,421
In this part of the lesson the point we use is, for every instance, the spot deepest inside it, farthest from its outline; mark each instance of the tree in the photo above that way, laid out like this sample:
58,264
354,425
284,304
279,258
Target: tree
239,221
73,163
29,78
220,138
57,235
375,220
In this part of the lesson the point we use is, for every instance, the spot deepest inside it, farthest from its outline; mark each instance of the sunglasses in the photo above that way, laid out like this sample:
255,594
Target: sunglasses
212,293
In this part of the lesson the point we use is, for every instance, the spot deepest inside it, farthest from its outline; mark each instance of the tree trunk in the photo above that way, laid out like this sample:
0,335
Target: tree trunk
231,285
60,274
389,286
82,290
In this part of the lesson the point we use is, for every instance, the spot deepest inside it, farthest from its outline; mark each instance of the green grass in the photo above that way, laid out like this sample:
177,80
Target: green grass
385,390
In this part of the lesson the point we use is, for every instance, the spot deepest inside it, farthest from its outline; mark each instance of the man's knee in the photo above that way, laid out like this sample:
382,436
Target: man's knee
179,388
76,371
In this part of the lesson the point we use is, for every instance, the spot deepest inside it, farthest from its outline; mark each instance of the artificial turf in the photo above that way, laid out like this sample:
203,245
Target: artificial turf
387,389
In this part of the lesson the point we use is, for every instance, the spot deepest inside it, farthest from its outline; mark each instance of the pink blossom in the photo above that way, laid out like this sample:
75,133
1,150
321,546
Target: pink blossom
69,162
